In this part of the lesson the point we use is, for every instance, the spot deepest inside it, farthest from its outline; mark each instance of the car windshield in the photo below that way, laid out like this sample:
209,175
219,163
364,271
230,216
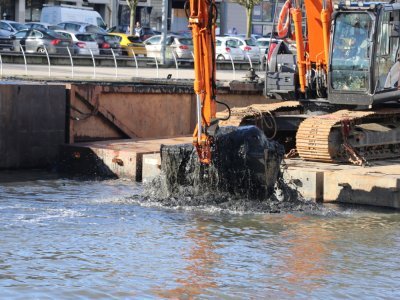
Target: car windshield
94,29
85,37
111,39
231,43
263,43
186,41
54,34
250,42
55,27
64,34
18,26
134,39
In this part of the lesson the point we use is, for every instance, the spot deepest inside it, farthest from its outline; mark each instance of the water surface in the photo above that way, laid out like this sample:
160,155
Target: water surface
71,239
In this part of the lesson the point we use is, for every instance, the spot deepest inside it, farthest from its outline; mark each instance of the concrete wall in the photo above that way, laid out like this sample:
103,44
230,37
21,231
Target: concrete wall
32,124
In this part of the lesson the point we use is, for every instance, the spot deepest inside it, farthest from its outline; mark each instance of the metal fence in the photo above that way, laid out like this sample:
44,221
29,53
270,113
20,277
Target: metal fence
47,62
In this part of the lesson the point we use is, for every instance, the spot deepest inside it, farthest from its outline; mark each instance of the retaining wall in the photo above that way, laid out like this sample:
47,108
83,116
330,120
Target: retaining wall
32,124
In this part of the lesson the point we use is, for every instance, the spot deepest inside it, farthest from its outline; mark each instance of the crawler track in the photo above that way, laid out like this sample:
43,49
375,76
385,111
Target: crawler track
354,136
342,136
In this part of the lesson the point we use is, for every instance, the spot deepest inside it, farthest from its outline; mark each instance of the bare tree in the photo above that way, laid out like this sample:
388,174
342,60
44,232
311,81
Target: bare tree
249,6
132,7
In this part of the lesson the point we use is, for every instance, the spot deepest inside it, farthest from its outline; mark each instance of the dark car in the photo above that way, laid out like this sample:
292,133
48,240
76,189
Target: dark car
147,32
107,42
37,40
6,43
8,28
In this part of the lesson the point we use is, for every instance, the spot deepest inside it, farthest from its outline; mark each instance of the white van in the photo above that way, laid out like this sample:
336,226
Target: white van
58,14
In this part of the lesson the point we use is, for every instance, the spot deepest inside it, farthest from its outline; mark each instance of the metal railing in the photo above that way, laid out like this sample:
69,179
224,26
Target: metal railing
65,60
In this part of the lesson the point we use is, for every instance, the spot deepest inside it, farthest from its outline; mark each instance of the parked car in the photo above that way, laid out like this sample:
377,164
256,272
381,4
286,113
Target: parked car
106,42
43,26
227,48
181,47
263,45
37,40
6,43
81,27
7,28
83,43
130,43
248,45
147,33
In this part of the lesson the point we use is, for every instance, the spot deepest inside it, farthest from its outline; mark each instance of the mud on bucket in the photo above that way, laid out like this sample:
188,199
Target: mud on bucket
245,164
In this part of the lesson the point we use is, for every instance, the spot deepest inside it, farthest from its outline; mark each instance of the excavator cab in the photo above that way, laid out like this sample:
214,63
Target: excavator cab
346,78
364,67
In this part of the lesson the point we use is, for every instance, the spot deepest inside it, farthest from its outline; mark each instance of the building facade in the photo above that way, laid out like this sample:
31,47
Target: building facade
233,15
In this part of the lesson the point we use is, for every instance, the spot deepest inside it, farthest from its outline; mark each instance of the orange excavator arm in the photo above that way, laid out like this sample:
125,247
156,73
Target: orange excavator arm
202,19
316,55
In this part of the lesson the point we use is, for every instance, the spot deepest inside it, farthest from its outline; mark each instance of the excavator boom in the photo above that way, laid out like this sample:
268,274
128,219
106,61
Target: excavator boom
202,19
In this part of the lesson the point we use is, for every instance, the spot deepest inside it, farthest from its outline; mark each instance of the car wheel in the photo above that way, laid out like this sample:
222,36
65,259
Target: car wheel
220,57
41,50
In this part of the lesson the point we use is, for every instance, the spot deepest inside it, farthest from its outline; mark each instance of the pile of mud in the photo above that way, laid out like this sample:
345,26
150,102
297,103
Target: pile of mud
244,176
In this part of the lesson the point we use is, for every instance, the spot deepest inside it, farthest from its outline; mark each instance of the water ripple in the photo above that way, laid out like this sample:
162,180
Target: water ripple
68,239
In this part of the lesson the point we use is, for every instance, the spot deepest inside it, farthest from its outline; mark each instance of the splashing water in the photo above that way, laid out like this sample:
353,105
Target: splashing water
244,176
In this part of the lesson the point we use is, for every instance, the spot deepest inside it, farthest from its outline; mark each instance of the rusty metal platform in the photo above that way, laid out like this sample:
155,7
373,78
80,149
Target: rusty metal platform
131,158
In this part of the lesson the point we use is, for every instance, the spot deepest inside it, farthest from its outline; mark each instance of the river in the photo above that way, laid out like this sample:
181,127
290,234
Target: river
72,239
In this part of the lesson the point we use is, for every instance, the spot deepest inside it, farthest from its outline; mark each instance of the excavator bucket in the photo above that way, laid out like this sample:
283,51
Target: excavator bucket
245,164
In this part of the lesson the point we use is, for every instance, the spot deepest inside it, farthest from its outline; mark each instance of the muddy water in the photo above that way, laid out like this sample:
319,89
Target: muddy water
67,239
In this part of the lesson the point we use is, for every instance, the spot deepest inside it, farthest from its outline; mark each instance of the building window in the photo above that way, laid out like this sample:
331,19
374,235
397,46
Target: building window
264,11
7,10
33,9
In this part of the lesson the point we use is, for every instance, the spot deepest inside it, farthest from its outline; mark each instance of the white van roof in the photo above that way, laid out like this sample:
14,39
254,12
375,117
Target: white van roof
59,14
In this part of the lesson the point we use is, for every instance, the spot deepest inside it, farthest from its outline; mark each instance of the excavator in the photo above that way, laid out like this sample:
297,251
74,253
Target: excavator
337,97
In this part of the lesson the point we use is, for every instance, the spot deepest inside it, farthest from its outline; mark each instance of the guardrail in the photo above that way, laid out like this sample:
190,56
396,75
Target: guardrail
109,58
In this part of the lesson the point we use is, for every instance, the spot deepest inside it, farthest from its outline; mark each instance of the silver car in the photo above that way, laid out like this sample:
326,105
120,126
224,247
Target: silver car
249,47
83,43
181,47
81,27
36,40
227,49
